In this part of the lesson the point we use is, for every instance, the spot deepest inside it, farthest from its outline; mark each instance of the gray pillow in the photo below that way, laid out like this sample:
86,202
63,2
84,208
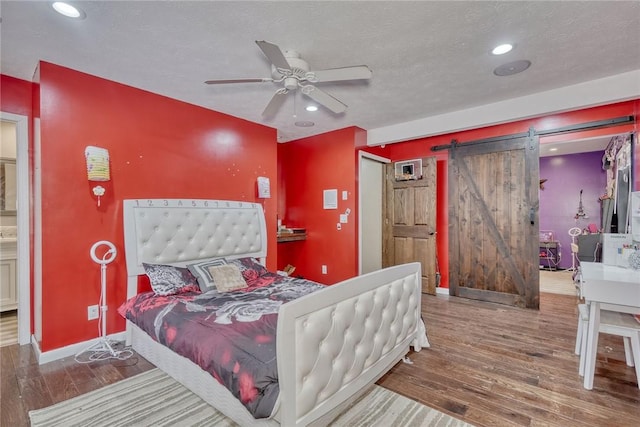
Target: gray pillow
201,272
170,280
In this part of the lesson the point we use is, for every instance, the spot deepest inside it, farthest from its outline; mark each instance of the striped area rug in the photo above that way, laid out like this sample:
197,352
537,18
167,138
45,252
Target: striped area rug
8,329
155,399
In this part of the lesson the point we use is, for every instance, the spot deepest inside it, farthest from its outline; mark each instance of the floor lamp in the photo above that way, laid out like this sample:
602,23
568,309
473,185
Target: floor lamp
102,345
574,232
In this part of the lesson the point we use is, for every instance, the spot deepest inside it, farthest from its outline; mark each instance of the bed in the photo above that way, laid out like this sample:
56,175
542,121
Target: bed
330,345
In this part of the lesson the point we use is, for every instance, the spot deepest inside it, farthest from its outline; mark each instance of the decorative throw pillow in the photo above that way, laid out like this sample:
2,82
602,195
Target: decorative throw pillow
170,280
227,278
201,271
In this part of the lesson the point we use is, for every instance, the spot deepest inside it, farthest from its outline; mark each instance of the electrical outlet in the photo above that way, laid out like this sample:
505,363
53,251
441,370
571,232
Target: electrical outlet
324,269
92,312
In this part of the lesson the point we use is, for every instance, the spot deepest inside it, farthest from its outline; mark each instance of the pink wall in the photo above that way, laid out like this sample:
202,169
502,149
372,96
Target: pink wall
307,167
159,148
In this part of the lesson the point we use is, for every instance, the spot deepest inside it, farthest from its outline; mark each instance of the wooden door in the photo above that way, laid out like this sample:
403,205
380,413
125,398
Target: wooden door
409,222
493,220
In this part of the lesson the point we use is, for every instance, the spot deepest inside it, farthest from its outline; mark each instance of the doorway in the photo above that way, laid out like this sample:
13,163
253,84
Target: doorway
574,193
23,260
370,184
409,208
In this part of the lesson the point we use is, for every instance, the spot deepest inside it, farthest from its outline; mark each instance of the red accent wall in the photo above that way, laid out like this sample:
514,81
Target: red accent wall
307,167
17,97
422,147
159,148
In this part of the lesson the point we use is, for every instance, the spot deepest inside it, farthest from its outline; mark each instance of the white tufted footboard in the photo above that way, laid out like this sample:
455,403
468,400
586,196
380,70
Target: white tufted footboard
334,343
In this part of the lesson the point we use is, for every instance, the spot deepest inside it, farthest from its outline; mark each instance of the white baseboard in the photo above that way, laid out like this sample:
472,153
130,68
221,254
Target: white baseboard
70,350
442,291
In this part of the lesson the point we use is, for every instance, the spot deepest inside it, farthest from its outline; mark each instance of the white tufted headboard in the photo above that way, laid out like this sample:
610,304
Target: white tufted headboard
178,231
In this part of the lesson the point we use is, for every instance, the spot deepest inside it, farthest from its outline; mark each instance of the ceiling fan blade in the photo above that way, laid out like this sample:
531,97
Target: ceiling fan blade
274,54
225,81
336,74
276,102
324,99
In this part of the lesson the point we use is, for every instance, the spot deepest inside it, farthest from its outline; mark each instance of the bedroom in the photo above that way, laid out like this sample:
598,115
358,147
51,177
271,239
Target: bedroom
141,130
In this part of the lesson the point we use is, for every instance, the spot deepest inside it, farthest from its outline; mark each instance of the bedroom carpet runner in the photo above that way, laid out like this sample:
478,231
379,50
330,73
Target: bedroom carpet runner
155,399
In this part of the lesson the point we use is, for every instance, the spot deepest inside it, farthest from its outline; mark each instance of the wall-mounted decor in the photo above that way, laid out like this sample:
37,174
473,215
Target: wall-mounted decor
408,170
264,188
97,168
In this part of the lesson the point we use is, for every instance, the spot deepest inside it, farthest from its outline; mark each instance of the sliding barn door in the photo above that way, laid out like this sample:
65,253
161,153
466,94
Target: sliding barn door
493,220
409,222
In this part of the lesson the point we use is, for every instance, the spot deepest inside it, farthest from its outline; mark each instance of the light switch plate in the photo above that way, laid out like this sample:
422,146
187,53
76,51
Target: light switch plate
345,194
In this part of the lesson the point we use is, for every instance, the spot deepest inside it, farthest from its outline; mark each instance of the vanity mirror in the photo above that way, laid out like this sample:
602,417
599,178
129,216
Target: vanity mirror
7,186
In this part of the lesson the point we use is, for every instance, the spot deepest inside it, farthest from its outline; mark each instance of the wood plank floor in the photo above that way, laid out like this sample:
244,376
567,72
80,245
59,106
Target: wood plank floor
489,365
25,385
493,365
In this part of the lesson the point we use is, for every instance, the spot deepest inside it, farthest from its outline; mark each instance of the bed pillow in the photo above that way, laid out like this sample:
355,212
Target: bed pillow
250,268
170,280
227,277
201,271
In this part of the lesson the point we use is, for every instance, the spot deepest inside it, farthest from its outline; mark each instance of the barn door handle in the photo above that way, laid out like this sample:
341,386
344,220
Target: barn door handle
532,216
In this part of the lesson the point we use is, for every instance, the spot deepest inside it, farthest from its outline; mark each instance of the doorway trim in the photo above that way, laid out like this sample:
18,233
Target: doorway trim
374,157
22,221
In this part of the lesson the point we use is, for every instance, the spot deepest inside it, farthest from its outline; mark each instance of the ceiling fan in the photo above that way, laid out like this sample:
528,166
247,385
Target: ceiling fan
288,68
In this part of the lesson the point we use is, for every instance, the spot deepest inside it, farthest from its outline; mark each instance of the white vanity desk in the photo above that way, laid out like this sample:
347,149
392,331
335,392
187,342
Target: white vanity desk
606,287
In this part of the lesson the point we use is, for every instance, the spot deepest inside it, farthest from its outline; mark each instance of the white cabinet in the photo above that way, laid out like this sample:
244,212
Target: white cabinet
8,289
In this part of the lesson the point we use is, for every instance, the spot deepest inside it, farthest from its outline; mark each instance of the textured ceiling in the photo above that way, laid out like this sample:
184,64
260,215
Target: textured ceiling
428,58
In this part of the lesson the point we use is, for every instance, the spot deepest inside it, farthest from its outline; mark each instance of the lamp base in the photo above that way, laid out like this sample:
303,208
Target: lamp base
103,349
103,345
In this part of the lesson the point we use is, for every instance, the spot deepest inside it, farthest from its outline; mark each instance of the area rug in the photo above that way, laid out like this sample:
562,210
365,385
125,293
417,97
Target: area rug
155,399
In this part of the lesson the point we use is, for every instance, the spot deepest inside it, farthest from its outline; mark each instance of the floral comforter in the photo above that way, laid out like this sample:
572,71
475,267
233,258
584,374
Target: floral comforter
230,335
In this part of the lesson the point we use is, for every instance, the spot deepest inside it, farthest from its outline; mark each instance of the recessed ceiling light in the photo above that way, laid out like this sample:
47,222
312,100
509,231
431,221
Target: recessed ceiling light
502,49
304,124
311,108
68,10
512,68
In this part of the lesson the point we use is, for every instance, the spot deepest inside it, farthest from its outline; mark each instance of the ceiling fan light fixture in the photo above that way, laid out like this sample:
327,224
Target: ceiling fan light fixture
68,10
293,72
502,49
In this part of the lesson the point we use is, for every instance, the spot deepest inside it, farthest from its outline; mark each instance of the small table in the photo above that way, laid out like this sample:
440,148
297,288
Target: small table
606,287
